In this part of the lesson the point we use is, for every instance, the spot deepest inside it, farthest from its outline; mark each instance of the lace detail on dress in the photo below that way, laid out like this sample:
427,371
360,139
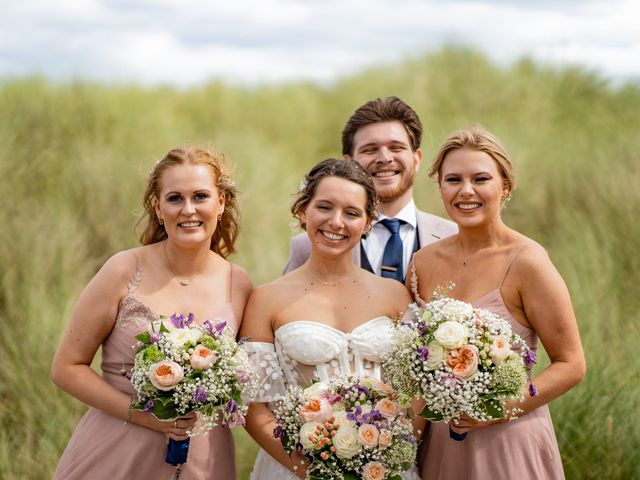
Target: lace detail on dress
134,314
264,361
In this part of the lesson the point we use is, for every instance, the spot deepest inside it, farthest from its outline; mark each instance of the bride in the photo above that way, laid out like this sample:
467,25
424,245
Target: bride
325,319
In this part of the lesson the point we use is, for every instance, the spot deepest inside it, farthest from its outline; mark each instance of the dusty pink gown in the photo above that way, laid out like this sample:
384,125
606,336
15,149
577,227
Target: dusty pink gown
521,449
104,447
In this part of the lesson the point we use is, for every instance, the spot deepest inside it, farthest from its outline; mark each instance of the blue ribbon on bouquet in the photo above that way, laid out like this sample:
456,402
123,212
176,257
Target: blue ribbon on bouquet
458,437
177,451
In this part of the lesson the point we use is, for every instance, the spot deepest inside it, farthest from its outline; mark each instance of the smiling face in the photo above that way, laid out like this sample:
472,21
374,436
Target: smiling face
189,203
335,217
471,187
384,150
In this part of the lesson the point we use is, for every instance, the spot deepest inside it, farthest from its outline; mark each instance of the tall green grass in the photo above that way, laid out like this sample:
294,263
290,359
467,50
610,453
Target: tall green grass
73,158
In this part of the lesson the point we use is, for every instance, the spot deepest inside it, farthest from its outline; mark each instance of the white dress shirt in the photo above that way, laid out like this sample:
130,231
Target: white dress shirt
377,239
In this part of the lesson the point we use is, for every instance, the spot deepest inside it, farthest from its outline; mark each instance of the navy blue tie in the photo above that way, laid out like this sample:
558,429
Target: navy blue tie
392,256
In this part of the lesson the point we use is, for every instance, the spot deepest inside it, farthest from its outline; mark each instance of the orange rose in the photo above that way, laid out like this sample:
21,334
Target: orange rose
388,408
165,375
373,471
368,435
463,361
385,438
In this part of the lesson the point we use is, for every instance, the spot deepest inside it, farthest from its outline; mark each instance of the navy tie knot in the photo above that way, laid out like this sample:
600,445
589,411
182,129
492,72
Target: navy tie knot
392,266
392,224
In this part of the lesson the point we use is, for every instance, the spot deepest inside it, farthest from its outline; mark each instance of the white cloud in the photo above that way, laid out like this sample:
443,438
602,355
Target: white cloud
188,42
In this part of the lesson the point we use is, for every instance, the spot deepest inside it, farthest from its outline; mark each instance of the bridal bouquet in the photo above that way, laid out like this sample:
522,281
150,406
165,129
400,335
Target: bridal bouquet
182,367
347,429
459,359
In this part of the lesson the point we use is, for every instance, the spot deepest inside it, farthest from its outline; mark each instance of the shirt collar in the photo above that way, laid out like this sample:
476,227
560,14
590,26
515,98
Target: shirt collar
409,214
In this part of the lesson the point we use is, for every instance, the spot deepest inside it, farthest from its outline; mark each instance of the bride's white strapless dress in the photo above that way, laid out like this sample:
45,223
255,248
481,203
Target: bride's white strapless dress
306,351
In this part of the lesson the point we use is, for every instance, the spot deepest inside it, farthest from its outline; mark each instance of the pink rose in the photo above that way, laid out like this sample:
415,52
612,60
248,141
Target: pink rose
316,410
368,435
463,361
373,471
203,358
388,408
165,375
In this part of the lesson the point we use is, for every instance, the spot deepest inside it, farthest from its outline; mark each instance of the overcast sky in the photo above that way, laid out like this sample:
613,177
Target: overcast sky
188,42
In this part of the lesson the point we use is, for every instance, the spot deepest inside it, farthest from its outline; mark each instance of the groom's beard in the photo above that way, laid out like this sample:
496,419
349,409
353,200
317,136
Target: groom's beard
388,193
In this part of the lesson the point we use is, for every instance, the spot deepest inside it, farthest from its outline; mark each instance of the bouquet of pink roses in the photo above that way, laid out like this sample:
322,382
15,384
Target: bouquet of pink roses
348,429
182,367
459,359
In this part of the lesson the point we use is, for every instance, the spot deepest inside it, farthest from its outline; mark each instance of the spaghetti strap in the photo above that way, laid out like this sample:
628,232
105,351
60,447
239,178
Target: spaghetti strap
137,276
513,257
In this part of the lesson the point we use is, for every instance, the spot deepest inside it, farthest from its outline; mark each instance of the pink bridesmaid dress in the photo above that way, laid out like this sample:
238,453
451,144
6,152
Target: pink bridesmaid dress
105,447
525,448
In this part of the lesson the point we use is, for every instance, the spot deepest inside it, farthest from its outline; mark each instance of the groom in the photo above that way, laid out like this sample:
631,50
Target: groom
383,136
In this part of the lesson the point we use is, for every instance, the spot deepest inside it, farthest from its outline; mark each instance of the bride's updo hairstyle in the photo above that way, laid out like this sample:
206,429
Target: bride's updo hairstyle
477,138
349,170
224,238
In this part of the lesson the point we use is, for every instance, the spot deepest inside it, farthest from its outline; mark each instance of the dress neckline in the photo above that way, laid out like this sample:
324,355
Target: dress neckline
486,295
154,313
329,327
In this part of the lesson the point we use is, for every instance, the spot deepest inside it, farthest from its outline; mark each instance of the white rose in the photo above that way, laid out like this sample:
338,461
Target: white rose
307,429
315,390
341,419
451,334
180,336
436,355
500,348
346,442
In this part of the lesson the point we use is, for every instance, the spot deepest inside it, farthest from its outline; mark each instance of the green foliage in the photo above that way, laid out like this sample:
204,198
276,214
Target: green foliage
73,159
144,337
152,354
431,415
164,408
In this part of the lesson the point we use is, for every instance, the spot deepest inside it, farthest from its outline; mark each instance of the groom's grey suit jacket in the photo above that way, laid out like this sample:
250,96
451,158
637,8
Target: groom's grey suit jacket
430,229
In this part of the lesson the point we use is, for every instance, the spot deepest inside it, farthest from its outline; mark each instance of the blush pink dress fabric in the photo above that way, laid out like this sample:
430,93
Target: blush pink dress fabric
104,447
523,449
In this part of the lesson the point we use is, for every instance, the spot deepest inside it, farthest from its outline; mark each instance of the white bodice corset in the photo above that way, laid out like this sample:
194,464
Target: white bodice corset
307,351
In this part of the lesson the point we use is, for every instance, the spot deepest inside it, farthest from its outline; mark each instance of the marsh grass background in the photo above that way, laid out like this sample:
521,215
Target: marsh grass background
73,158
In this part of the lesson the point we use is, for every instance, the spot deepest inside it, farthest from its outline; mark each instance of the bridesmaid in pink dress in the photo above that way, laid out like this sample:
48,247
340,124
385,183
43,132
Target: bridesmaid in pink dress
497,268
191,226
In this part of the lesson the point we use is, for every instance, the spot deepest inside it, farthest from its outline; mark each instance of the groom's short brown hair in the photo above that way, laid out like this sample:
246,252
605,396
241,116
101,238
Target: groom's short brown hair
382,110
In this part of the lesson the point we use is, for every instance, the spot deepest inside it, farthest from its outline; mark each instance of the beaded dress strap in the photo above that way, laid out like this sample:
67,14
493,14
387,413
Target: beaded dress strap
137,276
414,288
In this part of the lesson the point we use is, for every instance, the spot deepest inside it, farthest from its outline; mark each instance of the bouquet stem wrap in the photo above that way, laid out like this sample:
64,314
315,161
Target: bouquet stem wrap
177,451
458,437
